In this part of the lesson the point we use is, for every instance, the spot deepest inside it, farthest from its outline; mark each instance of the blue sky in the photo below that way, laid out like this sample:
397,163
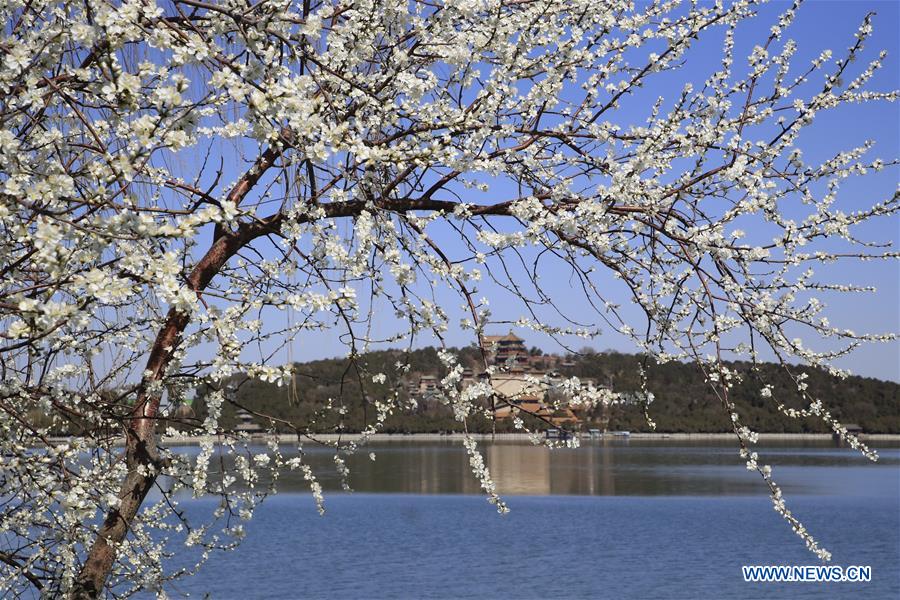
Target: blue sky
822,24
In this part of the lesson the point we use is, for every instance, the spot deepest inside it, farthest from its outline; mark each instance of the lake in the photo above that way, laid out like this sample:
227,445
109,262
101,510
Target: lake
612,519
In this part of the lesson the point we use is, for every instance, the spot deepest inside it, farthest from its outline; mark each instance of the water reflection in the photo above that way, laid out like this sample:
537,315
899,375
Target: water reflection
606,468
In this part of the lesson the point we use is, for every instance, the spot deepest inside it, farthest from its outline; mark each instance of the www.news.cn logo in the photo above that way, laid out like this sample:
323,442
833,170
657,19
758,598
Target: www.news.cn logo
812,573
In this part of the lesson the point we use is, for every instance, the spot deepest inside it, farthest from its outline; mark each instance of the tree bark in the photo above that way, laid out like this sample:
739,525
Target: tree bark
141,454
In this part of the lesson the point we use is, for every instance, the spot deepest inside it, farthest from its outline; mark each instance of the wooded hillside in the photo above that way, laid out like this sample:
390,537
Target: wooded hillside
684,403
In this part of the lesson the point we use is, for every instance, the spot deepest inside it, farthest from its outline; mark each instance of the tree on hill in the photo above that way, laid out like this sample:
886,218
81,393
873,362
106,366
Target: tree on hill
188,188
684,404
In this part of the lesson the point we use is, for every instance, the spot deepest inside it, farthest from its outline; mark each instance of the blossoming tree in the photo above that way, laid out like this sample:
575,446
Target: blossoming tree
189,186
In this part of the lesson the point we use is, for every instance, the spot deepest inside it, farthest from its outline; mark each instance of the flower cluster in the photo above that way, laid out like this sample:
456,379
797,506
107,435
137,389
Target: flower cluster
188,190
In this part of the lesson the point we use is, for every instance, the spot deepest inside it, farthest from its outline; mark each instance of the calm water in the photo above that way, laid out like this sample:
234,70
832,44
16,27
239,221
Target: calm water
609,520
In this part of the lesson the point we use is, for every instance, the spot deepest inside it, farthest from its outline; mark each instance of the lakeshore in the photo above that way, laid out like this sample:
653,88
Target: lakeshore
331,438
524,437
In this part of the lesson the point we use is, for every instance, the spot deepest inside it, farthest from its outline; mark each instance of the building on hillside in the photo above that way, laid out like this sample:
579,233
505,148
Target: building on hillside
541,362
246,424
506,349
427,384
519,393
420,386
852,428
543,396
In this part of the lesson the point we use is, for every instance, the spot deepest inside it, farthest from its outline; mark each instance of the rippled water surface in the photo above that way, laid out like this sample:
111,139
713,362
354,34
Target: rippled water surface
608,520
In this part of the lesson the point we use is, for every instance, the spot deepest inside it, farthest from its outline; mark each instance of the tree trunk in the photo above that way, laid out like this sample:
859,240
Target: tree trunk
141,454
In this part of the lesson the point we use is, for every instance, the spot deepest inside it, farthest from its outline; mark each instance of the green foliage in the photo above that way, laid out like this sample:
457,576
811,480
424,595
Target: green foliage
683,401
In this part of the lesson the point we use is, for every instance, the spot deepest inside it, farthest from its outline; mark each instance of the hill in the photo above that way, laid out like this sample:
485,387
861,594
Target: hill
684,403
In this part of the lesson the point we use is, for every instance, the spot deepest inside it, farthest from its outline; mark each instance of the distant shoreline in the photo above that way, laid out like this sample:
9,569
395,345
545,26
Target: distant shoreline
191,440
450,437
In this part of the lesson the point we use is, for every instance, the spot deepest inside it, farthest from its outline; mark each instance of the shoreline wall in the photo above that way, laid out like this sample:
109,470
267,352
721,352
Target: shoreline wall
507,437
